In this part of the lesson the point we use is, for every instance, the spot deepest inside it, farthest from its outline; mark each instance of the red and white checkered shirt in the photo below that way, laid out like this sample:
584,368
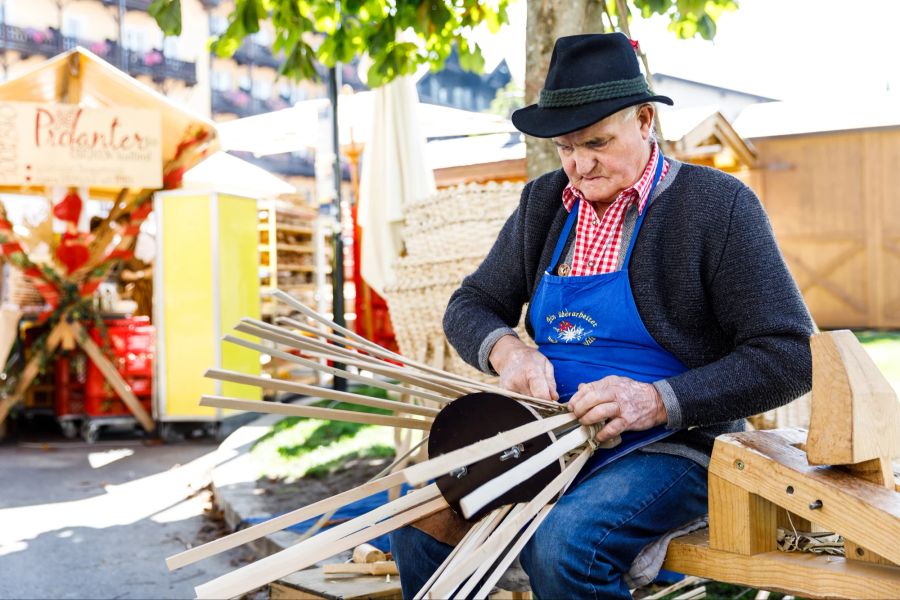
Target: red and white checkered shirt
597,239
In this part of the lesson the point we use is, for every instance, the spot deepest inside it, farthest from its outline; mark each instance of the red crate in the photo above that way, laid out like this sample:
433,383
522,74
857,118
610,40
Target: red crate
132,345
68,392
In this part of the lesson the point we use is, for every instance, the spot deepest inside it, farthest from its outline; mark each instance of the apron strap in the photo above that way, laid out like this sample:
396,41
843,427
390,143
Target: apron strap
564,236
637,225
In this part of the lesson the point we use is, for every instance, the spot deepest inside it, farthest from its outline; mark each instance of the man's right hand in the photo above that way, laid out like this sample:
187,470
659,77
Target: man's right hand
523,369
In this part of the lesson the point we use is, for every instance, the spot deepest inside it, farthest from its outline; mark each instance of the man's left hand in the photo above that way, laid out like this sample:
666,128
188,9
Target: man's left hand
623,403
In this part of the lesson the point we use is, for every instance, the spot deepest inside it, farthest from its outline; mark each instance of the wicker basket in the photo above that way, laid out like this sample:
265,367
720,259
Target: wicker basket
447,236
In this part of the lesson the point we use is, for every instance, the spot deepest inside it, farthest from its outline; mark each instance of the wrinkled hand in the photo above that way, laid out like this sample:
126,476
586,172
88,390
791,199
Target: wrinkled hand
622,403
523,369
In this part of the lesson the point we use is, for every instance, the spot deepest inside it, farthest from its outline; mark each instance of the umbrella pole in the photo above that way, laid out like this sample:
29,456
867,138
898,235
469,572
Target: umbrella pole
337,272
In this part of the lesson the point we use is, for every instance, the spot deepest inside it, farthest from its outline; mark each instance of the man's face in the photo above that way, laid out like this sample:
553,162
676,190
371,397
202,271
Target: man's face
609,156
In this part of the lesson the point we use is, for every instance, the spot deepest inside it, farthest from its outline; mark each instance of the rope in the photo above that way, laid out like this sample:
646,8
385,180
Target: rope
593,93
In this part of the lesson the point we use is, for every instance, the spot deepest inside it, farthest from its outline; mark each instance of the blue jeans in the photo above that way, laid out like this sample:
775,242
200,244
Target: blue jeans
589,540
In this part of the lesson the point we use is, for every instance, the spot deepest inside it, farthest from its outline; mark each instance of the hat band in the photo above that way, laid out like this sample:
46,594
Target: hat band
593,93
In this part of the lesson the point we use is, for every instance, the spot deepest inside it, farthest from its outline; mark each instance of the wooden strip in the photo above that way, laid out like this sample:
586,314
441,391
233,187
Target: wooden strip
510,527
381,567
486,564
319,392
280,522
767,463
459,548
800,573
309,552
364,361
314,412
445,463
485,528
388,355
342,348
513,552
111,374
393,493
496,487
385,385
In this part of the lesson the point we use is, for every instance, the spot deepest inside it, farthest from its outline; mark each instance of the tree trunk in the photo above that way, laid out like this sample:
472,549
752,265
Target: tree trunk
548,20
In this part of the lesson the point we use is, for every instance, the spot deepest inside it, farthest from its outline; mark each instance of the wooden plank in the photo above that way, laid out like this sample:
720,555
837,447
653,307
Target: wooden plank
879,471
803,574
367,553
445,463
319,392
766,463
278,565
855,413
381,567
313,584
739,521
314,412
286,520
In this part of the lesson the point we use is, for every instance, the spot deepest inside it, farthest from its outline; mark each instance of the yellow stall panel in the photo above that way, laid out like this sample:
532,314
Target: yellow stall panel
206,279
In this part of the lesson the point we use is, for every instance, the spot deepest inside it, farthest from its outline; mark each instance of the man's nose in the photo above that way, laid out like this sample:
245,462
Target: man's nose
584,162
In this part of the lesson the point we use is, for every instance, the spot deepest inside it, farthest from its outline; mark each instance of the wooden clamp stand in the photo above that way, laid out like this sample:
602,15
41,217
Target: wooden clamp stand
838,478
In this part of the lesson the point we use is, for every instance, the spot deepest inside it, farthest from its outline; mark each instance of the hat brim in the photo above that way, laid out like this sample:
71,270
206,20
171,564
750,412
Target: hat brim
551,122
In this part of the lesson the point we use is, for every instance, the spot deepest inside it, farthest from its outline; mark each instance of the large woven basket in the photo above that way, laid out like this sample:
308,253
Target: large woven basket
447,236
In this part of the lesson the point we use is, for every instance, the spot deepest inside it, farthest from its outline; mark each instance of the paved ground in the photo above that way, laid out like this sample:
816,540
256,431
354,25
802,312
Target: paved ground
97,521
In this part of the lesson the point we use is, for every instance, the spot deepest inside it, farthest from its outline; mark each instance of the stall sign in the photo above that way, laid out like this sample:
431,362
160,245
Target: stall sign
66,144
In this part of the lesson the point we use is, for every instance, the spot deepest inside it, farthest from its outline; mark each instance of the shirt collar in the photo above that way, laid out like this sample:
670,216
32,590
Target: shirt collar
640,190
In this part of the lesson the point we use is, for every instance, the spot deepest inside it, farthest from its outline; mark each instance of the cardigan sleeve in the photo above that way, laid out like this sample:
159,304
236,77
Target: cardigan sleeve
489,302
759,308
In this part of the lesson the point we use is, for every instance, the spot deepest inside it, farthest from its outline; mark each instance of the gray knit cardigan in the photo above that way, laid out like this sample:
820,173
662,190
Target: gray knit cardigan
710,285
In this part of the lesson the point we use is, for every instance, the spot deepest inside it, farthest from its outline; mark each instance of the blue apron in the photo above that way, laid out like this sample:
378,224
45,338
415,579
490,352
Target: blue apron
589,328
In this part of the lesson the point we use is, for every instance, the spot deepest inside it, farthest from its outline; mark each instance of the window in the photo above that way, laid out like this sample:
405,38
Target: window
262,89
220,80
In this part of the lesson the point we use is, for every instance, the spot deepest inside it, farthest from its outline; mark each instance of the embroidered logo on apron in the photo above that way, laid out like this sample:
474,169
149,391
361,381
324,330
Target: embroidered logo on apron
571,328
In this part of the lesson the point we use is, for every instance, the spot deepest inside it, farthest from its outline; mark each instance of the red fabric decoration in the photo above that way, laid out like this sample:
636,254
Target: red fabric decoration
69,208
635,44
172,179
72,252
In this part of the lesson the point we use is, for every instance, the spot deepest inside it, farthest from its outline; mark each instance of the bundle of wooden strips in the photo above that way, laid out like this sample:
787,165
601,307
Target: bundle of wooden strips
504,477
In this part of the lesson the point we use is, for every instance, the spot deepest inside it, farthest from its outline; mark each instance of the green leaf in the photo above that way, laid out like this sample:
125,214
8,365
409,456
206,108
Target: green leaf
167,14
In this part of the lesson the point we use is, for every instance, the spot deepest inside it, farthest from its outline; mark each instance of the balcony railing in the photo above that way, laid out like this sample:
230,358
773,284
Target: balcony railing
252,53
131,4
287,163
243,104
49,42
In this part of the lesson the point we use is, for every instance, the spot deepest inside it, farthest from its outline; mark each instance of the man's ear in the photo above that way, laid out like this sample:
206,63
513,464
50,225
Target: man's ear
645,119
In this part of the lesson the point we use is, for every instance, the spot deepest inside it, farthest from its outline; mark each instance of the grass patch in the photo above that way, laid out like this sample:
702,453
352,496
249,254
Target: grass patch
296,447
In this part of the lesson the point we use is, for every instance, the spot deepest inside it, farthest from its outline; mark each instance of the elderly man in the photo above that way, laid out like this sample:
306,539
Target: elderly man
661,307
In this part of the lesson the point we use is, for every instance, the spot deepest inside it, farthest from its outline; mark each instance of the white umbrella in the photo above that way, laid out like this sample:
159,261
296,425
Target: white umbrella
227,173
394,175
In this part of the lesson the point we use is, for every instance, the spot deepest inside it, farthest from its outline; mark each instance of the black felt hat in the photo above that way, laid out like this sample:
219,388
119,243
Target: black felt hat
590,77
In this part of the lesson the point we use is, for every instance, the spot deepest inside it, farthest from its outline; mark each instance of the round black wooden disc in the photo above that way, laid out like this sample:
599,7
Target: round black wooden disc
476,417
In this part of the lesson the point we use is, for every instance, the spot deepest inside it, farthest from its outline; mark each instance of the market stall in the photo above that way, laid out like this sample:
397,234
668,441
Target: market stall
75,130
